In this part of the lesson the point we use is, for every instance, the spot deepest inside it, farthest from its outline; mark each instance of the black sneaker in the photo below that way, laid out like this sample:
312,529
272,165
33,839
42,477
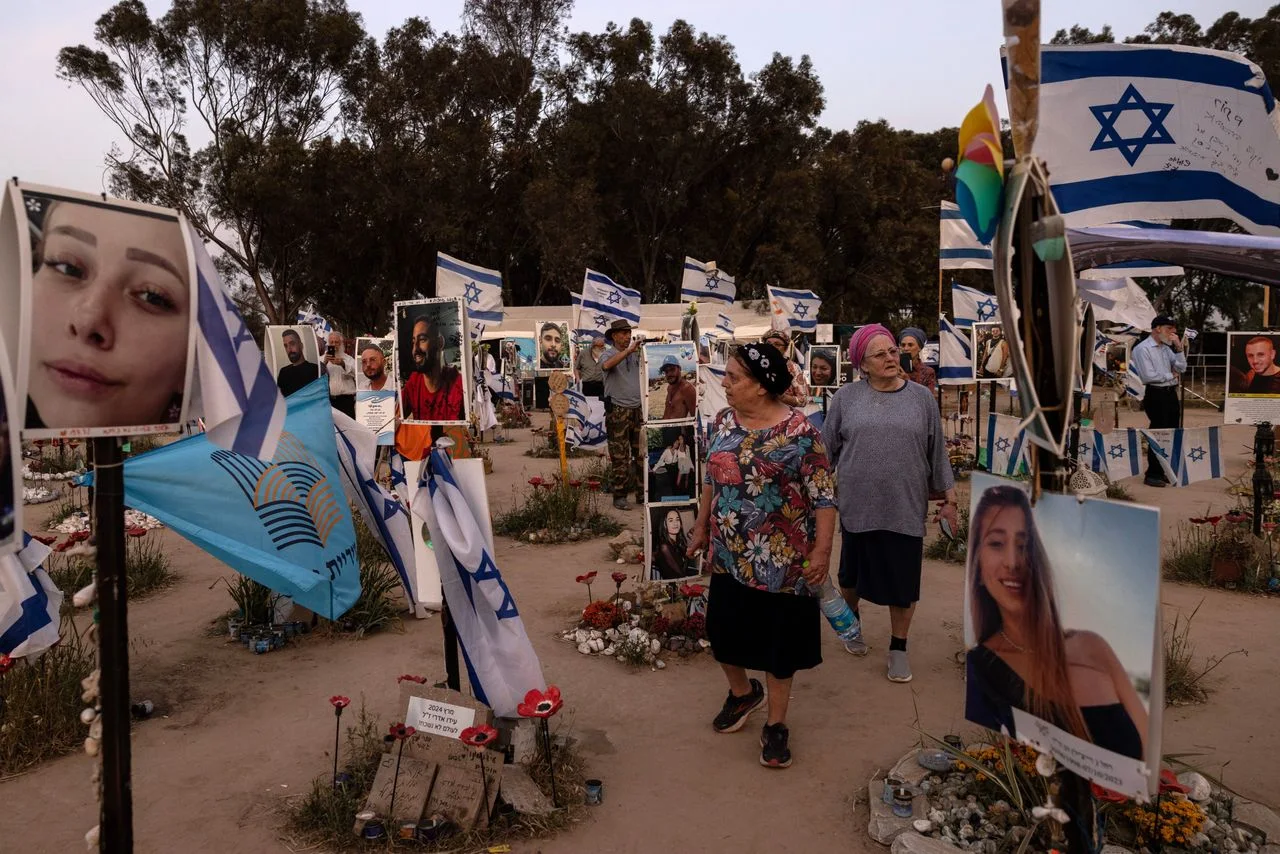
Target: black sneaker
735,710
774,752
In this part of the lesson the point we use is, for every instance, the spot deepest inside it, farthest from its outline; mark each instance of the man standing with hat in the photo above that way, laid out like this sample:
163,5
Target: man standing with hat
622,388
682,397
1159,361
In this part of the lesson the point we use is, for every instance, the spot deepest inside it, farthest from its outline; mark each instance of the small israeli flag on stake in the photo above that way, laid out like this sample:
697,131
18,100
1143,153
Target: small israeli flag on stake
955,360
480,287
970,306
793,309
724,324
586,427
29,602
1006,446
704,282
958,246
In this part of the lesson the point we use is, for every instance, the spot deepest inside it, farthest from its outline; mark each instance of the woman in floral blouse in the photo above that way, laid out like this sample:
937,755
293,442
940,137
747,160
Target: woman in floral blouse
768,513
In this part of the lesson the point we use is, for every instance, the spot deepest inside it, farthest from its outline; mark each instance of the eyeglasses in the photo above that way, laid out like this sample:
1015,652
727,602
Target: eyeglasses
892,353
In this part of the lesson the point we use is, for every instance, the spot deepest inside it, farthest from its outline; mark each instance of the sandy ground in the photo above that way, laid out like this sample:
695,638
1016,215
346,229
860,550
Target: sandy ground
237,735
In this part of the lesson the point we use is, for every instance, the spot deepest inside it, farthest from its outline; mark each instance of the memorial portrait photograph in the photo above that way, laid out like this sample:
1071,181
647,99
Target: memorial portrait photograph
431,362
293,356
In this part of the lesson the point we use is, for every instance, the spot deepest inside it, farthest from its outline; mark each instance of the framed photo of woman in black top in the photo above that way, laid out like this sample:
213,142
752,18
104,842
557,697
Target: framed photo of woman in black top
1061,622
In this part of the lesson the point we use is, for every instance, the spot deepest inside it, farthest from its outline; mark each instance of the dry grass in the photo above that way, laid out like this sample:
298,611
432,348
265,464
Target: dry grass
1184,681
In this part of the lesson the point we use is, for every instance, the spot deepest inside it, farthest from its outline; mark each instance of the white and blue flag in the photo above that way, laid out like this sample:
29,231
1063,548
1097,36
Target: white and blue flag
29,601
235,394
308,316
955,355
585,427
1122,453
385,517
970,306
1187,455
794,310
1091,451
604,301
481,288
1158,131
1006,446
724,324
958,247
706,283
501,663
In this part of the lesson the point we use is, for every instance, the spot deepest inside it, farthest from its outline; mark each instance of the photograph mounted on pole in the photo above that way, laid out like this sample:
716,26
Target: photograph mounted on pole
433,365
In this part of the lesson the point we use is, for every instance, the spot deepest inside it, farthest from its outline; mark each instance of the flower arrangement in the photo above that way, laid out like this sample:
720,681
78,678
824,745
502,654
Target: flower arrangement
542,706
603,615
1177,822
695,627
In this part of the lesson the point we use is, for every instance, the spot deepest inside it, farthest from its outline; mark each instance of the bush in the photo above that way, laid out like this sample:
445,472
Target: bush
381,601
951,550
64,510
558,513
146,566
40,715
328,812
1183,681
1118,492
1189,557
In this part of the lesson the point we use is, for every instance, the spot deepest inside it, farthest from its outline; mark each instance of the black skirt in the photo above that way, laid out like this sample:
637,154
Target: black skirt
778,633
883,566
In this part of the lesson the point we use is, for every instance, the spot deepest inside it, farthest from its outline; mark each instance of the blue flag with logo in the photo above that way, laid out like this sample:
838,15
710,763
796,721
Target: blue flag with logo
284,522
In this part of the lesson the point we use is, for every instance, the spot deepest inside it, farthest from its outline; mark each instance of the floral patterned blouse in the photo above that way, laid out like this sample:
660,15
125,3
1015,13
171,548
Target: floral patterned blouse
765,488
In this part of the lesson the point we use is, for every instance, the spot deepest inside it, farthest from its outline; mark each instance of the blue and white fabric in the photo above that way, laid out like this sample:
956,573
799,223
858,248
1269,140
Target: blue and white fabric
794,310
480,287
1006,446
29,601
704,282
585,427
958,247
970,306
604,301
955,355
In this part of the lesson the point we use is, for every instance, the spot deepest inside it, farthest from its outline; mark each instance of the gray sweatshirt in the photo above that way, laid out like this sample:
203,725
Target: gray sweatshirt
889,454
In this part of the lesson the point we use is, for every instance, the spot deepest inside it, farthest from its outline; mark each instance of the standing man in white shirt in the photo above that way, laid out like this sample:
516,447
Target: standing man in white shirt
341,368
1159,361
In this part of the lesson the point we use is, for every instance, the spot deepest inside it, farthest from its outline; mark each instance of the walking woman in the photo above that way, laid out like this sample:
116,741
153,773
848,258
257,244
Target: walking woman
885,439
1023,657
768,512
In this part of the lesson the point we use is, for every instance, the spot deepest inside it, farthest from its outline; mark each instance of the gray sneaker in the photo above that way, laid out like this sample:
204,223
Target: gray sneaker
899,667
620,503
857,646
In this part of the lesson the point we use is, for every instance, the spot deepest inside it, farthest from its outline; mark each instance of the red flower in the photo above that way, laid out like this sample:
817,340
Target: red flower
400,732
1236,518
1268,526
1107,795
535,482
409,677
1213,520
640,558
692,591
588,578
137,532
539,705
78,536
619,577
1198,520
478,737
63,546
575,483
593,484
1169,783
340,702
44,538
6,663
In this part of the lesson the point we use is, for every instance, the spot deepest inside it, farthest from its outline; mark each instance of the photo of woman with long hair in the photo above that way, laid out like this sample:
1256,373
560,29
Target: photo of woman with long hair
670,543
1023,656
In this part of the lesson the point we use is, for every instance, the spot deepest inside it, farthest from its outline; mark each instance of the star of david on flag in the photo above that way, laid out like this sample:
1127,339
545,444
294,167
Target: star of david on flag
794,310
970,306
706,282
585,423
1006,446
1131,148
603,302
479,286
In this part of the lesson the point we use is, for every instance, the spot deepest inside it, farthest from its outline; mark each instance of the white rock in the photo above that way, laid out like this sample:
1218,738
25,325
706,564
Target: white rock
596,644
620,560
86,595
584,649
704,643
594,634
937,816
91,746
655,645
581,636
660,664
626,603
1200,790
609,650
88,716
611,634
922,825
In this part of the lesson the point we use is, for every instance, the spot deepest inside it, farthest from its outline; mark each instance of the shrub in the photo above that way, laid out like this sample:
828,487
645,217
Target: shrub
40,717
147,566
1118,492
381,601
951,550
328,811
1189,556
557,513
1183,681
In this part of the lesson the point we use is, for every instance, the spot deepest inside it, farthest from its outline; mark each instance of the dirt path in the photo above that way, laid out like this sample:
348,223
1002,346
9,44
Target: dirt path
237,734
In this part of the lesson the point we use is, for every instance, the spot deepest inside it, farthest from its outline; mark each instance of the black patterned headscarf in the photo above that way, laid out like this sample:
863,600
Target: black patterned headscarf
767,365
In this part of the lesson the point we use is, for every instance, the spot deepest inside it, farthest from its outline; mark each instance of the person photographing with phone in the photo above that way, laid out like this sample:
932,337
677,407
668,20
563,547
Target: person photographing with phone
1159,361
341,369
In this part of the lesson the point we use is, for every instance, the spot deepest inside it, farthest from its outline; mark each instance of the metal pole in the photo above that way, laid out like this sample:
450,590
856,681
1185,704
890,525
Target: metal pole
116,831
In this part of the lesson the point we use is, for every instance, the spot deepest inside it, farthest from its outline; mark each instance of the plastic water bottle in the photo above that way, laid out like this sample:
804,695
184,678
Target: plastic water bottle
838,612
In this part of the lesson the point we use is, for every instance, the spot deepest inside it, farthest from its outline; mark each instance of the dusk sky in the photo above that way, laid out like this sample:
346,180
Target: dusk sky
920,64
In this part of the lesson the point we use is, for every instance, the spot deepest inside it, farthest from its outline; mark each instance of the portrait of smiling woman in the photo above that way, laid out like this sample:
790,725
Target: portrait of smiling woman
111,308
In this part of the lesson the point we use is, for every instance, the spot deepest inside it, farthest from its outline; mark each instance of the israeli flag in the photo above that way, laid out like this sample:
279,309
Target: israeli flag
794,310
1006,446
604,301
283,521
385,516
585,424
955,359
583,329
706,283
501,663
724,324
308,316
958,247
1091,451
1122,453
1158,131
1133,385
499,384
235,394
480,287
711,396
1187,455
399,482
970,306
29,601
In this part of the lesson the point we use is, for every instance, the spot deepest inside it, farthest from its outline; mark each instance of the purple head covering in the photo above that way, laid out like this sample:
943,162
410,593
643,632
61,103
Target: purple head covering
861,338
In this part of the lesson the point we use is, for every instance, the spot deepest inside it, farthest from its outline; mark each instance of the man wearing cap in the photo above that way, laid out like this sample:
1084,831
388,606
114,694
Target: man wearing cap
1159,361
622,389
682,397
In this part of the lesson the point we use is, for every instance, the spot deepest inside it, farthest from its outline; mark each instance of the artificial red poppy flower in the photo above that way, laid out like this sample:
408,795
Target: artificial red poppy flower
619,577
541,705
400,732
588,578
137,532
340,702
1236,518
44,538
63,546
6,663
1213,520
1268,526
575,483
409,677
478,737
593,484
1107,795
535,482
692,591
78,536
640,558
1169,783
1198,520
